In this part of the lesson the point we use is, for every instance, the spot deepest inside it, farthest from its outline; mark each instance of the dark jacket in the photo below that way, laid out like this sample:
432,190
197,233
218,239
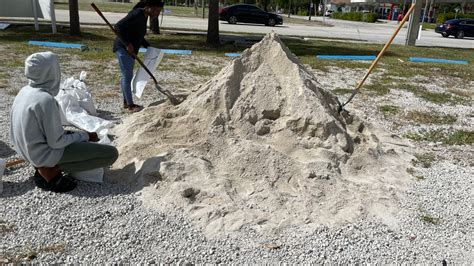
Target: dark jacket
132,29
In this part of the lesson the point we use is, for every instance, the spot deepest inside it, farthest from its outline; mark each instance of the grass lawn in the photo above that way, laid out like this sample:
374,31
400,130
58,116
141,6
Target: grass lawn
429,26
398,74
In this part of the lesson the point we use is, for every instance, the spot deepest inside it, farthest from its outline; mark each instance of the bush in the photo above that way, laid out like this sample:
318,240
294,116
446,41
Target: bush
302,12
447,16
371,17
356,16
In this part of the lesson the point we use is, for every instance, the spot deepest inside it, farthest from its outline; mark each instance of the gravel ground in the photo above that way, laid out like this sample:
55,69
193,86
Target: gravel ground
107,223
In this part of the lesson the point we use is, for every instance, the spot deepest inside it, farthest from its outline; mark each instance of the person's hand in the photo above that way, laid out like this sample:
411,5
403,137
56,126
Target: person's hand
93,137
130,48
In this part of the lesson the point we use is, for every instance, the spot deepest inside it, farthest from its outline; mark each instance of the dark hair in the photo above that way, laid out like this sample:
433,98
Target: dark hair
150,3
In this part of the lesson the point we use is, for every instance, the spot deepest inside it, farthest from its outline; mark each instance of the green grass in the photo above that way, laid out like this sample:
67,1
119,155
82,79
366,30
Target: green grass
341,91
389,109
430,219
429,26
103,6
432,117
199,71
434,97
412,172
459,137
378,88
307,51
424,160
99,41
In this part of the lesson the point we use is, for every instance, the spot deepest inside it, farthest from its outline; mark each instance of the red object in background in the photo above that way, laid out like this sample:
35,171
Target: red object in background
390,13
400,17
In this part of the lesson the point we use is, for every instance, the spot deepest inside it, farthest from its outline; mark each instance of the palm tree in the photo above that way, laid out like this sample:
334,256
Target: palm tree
213,23
74,25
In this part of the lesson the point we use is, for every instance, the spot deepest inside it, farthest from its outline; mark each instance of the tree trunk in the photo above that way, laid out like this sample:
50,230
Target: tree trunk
213,23
155,25
74,25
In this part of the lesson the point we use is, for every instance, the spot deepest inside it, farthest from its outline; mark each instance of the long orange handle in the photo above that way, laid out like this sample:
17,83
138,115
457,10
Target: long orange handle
374,63
387,44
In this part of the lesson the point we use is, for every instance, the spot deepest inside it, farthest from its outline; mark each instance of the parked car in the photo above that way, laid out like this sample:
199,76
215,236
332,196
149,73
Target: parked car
459,28
249,14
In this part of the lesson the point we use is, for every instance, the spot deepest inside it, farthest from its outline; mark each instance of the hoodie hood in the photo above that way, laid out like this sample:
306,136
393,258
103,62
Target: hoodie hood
43,72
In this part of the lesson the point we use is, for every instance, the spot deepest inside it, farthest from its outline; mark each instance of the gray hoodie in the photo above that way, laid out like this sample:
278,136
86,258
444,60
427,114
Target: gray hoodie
36,130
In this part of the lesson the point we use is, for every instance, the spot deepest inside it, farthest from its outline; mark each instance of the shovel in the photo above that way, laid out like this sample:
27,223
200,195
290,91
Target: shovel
387,44
172,98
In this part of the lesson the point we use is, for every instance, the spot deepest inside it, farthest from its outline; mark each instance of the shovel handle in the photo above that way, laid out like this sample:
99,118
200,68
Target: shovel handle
131,54
372,66
387,44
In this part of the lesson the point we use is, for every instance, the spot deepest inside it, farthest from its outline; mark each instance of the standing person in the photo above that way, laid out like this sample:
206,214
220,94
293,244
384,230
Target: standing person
131,30
38,136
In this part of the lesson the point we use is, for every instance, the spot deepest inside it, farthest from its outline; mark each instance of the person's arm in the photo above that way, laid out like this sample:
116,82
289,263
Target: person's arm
48,117
145,43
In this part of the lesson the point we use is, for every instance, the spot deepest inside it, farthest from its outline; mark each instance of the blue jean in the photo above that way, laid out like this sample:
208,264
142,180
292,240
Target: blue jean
126,63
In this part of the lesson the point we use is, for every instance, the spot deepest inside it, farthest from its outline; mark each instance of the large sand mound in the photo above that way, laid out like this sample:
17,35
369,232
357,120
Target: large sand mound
261,145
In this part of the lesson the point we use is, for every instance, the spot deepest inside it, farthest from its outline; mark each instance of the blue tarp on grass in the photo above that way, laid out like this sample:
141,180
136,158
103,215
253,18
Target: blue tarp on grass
346,57
232,54
59,45
438,60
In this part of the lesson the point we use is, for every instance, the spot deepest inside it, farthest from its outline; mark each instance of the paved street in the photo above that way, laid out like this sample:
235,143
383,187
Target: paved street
370,32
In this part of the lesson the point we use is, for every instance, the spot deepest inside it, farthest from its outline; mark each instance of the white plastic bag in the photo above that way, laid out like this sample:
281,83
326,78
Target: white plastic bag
152,59
77,108
93,175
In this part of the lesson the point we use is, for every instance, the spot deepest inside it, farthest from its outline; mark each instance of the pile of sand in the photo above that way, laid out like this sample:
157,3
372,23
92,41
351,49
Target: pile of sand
261,145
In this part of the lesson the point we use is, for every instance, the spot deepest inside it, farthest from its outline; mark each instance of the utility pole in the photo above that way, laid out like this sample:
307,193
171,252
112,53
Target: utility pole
414,24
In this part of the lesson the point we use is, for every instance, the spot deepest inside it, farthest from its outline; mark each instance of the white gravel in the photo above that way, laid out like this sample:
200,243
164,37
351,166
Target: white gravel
107,223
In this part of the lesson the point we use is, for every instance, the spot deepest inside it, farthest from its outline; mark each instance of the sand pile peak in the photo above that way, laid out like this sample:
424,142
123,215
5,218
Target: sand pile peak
260,145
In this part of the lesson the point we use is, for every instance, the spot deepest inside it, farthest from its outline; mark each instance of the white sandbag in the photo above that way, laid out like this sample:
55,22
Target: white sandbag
77,108
152,59
93,175
2,169
78,89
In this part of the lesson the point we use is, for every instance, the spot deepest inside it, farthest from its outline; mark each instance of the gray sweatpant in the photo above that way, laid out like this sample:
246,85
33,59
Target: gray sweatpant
82,156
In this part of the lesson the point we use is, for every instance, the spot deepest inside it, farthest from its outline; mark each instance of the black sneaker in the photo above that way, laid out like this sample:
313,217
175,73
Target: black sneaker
60,183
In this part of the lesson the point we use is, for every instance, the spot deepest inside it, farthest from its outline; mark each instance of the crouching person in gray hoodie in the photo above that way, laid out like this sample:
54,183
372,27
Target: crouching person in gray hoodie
37,133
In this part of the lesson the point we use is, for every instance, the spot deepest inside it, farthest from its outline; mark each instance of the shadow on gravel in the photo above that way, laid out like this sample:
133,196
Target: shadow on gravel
5,150
107,115
14,189
128,180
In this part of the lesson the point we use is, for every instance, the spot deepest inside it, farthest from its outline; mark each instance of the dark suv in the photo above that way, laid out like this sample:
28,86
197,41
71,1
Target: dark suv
249,14
459,28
